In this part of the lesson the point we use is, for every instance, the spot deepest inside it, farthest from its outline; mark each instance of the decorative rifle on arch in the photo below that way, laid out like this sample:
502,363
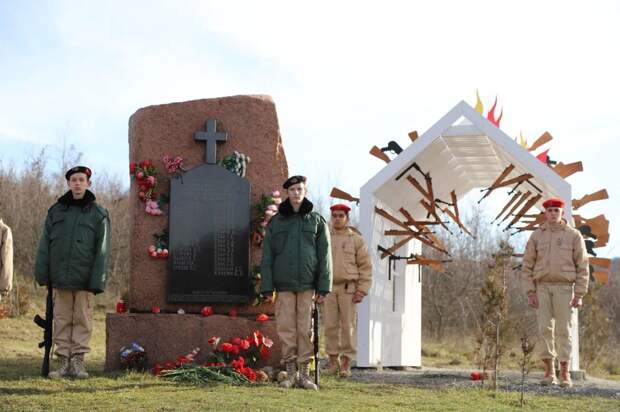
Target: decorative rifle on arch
341,194
455,216
598,195
502,181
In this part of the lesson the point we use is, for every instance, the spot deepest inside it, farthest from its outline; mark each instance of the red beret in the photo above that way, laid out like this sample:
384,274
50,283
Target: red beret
340,206
553,202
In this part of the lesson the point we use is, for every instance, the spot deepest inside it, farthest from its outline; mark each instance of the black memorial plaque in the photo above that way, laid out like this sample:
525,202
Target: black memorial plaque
209,226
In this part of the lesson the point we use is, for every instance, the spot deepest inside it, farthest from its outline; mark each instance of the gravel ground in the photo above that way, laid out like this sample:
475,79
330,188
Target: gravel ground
508,381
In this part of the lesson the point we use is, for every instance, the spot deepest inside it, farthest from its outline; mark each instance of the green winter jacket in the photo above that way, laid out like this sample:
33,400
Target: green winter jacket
296,251
75,244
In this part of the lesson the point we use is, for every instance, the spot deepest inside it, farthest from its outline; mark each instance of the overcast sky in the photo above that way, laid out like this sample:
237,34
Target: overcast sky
344,76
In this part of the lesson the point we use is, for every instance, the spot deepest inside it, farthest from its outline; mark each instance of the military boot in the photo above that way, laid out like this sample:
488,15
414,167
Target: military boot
334,365
77,366
345,367
565,380
291,376
63,368
549,378
304,377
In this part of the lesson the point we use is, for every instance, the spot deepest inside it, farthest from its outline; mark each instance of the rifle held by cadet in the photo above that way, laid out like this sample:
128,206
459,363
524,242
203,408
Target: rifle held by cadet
46,324
315,327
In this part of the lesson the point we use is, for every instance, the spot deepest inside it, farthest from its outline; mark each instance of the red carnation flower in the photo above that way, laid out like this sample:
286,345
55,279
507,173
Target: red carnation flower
262,317
155,309
245,344
249,373
258,338
207,311
264,353
233,313
227,347
475,376
157,369
235,349
238,363
213,341
169,365
182,360
132,168
236,341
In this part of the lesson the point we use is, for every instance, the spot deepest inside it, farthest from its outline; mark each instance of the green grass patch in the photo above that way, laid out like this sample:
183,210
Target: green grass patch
22,389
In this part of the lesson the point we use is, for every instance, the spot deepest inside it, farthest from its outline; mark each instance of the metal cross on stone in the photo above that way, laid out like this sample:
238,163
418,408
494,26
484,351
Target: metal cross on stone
211,136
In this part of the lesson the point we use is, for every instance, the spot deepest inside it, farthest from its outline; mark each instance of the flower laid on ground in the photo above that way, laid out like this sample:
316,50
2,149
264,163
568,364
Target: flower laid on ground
155,309
476,376
173,165
233,362
232,313
181,311
133,357
262,317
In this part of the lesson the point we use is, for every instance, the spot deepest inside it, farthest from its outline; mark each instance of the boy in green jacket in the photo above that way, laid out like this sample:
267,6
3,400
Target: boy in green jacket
297,264
73,254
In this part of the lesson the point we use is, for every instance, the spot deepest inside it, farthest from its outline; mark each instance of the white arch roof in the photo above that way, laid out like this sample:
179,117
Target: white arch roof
462,151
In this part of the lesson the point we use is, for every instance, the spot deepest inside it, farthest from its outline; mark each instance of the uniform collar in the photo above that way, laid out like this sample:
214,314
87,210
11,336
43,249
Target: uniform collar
349,230
286,209
68,200
554,227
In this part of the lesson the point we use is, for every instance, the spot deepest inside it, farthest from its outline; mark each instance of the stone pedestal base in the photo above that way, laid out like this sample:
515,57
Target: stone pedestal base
168,336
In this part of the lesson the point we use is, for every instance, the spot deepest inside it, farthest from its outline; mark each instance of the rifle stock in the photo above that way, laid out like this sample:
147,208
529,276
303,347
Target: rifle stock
598,224
544,138
565,170
375,151
600,195
341,194
602,277
603,262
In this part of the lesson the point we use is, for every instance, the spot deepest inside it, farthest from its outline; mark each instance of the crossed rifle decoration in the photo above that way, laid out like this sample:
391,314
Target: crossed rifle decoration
522,199
412,259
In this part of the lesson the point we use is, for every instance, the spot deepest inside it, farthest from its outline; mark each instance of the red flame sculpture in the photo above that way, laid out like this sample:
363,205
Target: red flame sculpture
491,114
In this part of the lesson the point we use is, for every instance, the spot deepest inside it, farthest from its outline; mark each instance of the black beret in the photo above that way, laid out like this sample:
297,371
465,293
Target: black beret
78,169
293,180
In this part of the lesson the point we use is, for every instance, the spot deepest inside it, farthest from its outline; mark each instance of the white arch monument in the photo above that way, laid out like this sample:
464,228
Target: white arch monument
462,151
